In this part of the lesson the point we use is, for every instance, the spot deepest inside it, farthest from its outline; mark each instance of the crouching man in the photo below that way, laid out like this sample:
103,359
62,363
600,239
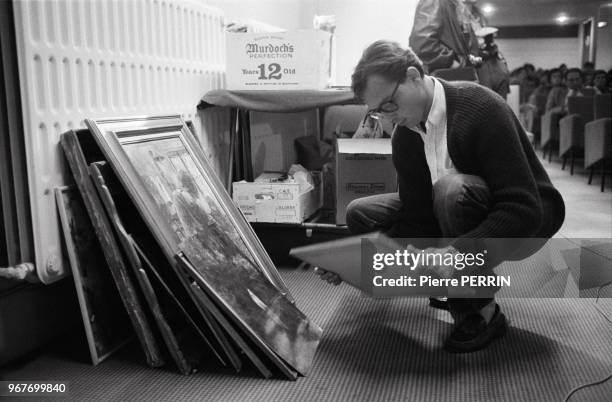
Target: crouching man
466,171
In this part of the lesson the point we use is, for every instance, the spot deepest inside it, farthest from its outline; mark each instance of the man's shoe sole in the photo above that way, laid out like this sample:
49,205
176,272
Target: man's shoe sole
481,341
439,304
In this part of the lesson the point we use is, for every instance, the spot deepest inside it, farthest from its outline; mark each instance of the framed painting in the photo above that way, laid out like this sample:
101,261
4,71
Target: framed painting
185,206
170,180
107,326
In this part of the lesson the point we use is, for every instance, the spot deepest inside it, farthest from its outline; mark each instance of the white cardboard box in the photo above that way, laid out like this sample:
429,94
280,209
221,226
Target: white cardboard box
275,202
278,60
364,167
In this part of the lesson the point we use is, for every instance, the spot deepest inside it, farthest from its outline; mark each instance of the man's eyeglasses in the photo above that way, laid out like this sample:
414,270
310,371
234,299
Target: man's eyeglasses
388,106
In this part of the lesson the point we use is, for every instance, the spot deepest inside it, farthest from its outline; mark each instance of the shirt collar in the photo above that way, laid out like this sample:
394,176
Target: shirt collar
437,112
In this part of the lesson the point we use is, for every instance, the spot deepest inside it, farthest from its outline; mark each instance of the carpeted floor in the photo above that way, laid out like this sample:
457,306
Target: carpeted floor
376,350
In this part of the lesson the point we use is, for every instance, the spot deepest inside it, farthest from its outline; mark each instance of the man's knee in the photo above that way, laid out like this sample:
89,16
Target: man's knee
354,210
372,213
460,202
357,216
452,188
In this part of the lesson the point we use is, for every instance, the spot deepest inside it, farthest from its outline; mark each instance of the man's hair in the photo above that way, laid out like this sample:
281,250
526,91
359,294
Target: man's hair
599,72
387,59
573,70
545,73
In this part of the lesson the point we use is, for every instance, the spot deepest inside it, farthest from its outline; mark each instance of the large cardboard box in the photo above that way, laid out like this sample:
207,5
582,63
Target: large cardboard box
276,202
363,167
278,60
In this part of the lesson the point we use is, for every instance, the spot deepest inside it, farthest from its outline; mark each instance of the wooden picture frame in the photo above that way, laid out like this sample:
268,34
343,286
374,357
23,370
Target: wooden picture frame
118,137
80,149
107,326
186,208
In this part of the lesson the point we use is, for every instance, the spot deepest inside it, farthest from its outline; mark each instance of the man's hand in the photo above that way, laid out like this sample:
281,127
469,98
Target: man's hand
442,271
369,128
328,276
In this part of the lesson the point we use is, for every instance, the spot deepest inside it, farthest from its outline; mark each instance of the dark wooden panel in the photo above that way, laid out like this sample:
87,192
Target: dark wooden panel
9,233
15,146
107,326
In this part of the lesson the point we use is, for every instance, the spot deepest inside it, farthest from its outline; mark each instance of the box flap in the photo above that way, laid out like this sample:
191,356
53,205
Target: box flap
364,146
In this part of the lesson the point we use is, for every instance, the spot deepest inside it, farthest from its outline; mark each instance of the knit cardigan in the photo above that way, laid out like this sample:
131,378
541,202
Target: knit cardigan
485,139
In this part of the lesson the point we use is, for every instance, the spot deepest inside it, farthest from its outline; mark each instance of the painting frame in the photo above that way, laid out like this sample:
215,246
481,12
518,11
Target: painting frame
113,134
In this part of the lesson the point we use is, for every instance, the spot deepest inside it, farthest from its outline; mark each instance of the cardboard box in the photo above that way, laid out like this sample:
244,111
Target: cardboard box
363,167
278,60
276,202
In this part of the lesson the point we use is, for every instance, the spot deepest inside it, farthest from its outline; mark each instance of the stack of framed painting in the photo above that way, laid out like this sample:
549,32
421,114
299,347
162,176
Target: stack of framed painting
194,279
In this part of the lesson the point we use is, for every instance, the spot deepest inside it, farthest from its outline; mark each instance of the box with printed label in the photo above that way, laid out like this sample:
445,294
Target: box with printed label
364,167
278,60
276,202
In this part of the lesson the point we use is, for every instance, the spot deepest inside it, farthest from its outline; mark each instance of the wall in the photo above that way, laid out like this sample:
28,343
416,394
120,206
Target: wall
544,53
361,22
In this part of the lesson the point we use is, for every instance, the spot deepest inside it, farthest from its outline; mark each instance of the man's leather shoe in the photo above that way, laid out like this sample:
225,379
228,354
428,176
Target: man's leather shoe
439,302
473,333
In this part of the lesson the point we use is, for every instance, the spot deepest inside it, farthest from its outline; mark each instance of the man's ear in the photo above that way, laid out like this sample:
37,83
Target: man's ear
412,73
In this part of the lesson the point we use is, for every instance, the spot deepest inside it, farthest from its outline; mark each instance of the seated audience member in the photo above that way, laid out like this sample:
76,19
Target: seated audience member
529,69
587,79
528,85
543,87
588,67
530,111
484,182
573,80
517,75
600,82
558,91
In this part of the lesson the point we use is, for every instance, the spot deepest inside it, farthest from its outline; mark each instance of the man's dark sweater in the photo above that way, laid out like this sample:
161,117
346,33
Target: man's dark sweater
485,139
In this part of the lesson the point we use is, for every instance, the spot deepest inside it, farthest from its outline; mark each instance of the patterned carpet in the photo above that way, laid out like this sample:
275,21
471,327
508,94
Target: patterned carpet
377,350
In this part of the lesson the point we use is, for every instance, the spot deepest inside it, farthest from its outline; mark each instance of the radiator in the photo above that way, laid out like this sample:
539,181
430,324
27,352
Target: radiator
105,58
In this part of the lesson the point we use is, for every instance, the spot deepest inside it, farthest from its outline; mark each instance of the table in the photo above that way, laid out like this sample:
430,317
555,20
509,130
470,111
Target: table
240,103
277,238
